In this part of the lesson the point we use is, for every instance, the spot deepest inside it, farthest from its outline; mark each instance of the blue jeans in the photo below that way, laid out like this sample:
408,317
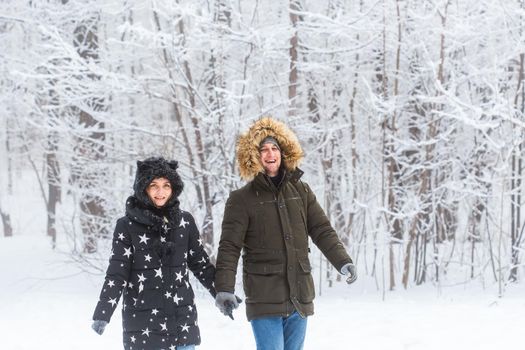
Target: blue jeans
279,333
186,347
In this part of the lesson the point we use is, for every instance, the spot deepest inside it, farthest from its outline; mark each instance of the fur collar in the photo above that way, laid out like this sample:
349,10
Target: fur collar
138,212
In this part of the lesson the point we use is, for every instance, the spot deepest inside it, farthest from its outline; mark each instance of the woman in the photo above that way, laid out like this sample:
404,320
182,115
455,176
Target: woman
154,245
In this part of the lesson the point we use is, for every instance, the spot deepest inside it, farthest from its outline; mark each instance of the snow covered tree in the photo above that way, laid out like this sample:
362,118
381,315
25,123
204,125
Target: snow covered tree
410,114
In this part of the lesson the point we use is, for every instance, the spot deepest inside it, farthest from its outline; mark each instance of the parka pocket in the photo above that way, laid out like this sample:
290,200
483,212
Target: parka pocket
265,283
257,230
305,282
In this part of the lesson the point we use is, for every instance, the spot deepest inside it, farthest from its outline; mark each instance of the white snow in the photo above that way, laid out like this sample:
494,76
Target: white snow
47,303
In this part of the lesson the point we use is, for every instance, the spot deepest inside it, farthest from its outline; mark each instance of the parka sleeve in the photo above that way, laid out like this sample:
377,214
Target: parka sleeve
117,274
322,233
234,226
198,260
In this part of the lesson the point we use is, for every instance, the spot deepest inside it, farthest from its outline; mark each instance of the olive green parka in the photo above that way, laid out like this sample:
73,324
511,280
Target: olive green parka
271,226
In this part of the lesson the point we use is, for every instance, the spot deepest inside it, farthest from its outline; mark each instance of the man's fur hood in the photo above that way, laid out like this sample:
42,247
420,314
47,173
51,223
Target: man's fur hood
248,158
153,168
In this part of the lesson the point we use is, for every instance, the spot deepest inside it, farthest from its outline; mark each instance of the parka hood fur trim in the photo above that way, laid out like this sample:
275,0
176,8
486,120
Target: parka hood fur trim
248,158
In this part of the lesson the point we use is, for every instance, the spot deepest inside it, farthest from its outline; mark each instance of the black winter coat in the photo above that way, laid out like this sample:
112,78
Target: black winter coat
149,265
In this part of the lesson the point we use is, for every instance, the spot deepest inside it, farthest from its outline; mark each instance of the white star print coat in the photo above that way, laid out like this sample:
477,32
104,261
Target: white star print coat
149,266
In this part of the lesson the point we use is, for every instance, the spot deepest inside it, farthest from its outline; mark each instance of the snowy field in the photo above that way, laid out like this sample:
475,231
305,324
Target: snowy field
47,304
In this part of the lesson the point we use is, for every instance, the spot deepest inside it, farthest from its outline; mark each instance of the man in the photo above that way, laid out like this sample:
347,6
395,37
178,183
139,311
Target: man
270,219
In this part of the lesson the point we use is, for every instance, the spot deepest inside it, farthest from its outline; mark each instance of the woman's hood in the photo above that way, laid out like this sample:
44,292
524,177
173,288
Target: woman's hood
153,168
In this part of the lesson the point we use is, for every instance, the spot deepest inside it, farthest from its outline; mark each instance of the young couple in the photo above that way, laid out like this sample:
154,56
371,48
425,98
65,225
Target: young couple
269,219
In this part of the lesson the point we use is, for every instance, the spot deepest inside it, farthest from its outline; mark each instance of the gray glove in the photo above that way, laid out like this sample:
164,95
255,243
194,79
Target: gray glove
98,326
350,272
227,302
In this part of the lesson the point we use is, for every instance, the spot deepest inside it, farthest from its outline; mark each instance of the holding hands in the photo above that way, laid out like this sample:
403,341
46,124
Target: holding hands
227,302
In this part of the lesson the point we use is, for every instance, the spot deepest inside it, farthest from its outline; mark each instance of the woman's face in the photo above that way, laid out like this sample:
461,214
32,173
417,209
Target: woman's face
159,191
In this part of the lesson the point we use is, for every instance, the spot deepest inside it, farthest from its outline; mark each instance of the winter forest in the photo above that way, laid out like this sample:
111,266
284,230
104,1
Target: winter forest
411,115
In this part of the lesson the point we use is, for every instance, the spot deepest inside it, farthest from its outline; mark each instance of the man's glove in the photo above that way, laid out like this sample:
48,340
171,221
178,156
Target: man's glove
350,272
227,302
98,326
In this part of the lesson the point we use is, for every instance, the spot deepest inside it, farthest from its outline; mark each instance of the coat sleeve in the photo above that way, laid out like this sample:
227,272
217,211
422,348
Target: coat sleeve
117,274
234,226
322,233
198,260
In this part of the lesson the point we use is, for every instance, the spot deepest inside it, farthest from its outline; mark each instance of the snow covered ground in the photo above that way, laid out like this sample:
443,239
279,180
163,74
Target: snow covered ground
47,304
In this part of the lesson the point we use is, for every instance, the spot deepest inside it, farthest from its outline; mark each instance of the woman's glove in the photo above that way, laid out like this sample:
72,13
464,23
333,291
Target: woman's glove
98,326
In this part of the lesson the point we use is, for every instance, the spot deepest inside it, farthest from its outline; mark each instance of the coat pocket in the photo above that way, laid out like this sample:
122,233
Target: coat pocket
305,281
265,283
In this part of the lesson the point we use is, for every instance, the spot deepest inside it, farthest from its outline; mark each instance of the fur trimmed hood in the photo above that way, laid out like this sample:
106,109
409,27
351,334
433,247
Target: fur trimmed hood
248,147
153,168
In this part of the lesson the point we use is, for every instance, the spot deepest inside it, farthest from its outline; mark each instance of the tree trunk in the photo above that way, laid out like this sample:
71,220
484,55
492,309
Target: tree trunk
195,147
295,6
89,148
516,230
206,200
353,129
389,131
53,183
178,117
52,164
6,222
215,82
9,162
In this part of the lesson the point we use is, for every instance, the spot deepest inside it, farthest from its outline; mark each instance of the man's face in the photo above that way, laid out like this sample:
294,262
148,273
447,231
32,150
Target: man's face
270,158
159,191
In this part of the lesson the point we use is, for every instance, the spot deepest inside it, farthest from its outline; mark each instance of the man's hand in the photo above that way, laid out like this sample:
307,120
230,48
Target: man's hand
350,272
98,326
227,302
